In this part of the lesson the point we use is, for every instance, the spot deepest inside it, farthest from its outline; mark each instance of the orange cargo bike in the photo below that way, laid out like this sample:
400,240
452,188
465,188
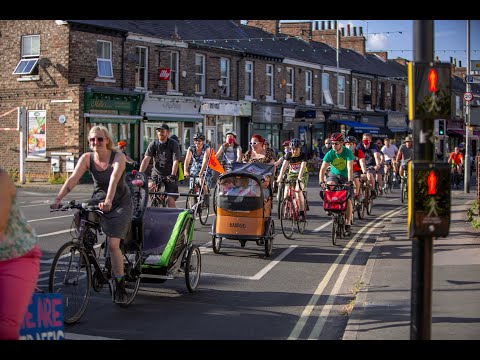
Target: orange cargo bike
244,205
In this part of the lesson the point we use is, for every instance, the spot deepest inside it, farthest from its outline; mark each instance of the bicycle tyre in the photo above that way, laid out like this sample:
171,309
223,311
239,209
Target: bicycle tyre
133,262
75,296
301,225
193,268
360,206
190,199
280,193
334,230
214,200
216,244
203,212
269,240
287,220
402,190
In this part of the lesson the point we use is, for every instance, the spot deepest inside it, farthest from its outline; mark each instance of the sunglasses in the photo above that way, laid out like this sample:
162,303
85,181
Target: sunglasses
197,140
336,143
253,143
99,139
327,143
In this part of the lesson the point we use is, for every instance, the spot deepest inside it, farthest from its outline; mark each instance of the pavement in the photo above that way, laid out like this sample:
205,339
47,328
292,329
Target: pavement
382,310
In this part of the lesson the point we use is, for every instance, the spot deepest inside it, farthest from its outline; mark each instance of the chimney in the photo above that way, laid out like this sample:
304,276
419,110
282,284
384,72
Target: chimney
270,26
327,34
348,29
323,25
460,63
301,29
361,30
355,43
316,25
329,25
401,61
354,31
342,31
451,60
460,71
381,54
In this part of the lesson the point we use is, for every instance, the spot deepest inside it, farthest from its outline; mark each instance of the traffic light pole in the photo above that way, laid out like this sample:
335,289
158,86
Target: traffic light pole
466,161
422,246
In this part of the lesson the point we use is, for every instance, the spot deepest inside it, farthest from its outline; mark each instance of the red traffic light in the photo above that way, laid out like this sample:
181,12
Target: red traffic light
432,183
432,80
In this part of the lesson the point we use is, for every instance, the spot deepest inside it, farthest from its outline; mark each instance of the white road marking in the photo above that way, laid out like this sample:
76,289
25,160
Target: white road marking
323,226
54,233
50,218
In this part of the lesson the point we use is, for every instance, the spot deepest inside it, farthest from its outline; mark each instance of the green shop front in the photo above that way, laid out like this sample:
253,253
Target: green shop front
119,111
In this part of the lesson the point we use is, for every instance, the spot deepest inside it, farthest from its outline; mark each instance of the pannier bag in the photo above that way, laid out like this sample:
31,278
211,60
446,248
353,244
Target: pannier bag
335,200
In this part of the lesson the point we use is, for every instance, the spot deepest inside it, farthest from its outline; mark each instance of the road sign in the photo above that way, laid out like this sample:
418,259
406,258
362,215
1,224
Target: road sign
468,96
472,79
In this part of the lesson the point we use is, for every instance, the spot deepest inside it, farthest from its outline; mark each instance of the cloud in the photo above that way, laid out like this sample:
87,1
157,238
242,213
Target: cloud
377,42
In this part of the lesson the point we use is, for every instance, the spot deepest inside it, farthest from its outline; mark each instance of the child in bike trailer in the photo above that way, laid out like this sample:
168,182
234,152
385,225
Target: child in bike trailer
295,163
340,159
198,154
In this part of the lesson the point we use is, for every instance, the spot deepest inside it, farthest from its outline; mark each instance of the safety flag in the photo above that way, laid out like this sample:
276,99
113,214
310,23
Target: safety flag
214,164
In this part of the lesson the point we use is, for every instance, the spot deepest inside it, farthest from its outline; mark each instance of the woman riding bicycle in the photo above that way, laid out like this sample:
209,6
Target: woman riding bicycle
295,163
340,159
230,151
111,194
198,154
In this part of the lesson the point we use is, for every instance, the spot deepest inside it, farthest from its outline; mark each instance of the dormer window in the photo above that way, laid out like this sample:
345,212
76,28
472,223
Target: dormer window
30,54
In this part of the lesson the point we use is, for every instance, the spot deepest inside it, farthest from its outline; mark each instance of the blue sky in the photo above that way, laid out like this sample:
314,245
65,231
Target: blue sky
396,37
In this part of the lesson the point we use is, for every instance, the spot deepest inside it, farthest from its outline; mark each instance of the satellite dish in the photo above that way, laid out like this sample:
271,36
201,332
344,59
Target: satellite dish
44,62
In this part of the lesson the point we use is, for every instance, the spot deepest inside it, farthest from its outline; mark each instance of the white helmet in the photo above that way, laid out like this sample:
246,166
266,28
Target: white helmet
231,132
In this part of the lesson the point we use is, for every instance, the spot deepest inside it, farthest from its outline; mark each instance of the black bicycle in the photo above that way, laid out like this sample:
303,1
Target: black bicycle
71,272
157,185
203,208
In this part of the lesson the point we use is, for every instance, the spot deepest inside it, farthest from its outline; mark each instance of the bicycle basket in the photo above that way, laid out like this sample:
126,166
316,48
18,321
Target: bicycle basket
335,200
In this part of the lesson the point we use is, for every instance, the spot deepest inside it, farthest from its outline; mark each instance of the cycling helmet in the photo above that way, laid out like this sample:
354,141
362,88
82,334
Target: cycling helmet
122,143
199,136
337,137
231,132
351,139
295,143
175,137
286,143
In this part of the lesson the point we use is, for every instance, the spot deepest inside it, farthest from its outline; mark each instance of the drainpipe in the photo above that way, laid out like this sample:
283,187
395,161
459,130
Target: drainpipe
122,75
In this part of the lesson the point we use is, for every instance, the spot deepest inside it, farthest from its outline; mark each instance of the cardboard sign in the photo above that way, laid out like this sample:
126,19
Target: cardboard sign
44,318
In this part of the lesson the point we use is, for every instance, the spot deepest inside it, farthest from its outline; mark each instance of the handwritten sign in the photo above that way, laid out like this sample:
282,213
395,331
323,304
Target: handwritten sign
44,318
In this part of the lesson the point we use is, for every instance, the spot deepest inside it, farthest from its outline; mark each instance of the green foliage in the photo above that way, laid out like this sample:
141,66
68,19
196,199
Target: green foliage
472,215
56,178
14,174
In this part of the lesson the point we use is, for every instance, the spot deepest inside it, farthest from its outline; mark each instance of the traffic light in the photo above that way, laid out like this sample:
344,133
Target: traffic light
441,127
429,210
430,90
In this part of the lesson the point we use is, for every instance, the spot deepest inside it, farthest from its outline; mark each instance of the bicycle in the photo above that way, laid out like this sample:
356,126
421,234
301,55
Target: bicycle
71,270
404,184
359,204
456,177
290,208
203,208
335,204
156,185
388,179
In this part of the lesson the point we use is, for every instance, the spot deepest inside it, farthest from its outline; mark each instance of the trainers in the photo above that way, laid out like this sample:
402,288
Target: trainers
120,293
301,216
348,230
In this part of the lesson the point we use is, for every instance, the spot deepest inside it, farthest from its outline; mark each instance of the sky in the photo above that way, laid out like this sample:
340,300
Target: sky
396,37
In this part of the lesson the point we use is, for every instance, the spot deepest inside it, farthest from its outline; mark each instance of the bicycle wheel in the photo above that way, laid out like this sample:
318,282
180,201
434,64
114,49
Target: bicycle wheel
301,225
191,200
203,211
133,268
280,193
214,200
287,220
269,240
334,230
216,244
402,190
193,268
360,204
71,276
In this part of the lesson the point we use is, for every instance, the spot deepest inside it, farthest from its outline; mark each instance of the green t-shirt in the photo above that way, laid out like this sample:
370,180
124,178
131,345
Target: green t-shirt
338,162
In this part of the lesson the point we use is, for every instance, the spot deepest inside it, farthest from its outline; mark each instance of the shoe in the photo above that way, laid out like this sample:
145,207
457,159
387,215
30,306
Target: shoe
348,230
380,192
120,293
301,216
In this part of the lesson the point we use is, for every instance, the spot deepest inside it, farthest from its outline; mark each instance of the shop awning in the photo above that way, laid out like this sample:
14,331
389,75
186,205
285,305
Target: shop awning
113,119
174,117
398,128
461,133
358,125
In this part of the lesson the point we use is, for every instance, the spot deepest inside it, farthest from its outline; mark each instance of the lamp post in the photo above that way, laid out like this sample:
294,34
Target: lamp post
466,178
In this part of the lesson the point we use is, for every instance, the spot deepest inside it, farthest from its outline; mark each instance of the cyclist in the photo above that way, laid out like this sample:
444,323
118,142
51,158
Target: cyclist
373,159
230,151
166,155
405,154
340,159
198,154
295,163
390,151
111,193
359,167
122,144
327,147
456,159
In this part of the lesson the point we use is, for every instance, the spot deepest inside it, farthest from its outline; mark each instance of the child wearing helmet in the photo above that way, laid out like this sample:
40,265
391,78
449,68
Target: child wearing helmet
198,154
122,144
295,163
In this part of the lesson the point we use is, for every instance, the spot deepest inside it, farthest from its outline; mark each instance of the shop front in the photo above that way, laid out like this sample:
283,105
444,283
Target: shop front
347,124
377,121
288,129
221,116
267,122
310,125
397,123
181,114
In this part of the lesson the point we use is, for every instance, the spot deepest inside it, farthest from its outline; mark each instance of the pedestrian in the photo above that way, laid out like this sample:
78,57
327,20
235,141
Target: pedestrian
111,193
166,155
19,261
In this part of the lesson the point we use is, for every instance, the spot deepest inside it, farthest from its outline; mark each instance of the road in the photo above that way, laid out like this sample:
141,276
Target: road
303,291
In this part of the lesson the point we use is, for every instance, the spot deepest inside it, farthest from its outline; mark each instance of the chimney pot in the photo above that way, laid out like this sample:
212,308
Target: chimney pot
460,63
451,59
329,24
348,29
316,25
354,31
323,25
360,31
342,31
334,24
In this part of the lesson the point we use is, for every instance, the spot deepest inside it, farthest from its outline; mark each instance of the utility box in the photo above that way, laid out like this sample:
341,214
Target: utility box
70,164
55,163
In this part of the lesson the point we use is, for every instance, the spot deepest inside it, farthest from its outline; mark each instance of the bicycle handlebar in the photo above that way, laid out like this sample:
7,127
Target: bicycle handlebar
83,206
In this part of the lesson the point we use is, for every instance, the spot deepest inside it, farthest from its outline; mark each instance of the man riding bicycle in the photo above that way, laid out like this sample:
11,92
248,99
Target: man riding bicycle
340,159
359,168
295,163
456,159
405,154
373,160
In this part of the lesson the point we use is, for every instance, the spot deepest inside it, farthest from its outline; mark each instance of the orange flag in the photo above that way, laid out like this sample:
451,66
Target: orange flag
214,164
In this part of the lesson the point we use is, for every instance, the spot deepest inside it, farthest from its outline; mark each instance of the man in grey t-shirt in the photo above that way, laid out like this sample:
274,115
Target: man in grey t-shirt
405,154
166,154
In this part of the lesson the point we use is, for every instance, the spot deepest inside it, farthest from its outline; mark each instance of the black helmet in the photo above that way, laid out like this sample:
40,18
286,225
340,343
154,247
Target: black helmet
199,136
295,143
351,139
337,137
174,137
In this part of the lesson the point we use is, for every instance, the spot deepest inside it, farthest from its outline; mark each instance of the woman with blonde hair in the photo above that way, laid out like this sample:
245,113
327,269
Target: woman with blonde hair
110,193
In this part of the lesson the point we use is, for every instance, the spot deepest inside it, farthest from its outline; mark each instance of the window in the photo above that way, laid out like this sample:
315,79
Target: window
326,96
104,59
355,93
199,74
341,91
393,98
405,107
174,71
381,96
308,87
368,87
30,54
367,100
141,67
458,104
225,76
248,80
289,85
269,85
